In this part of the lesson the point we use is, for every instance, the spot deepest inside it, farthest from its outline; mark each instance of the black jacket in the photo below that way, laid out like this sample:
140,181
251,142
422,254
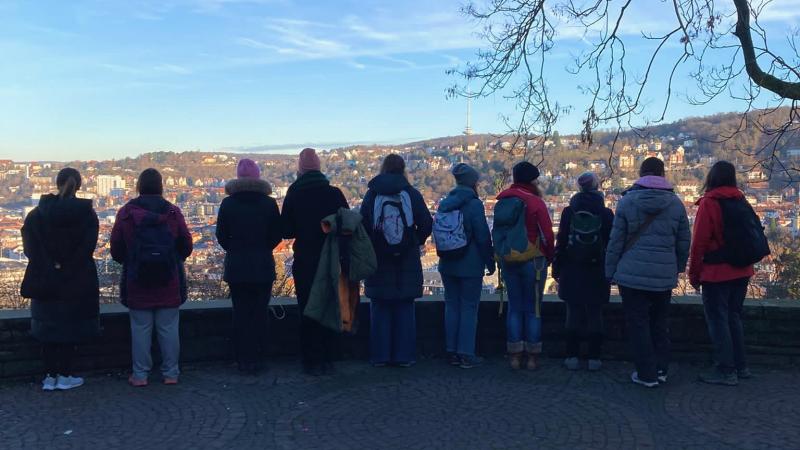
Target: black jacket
397,278
249,228
310,199
63,233
581,283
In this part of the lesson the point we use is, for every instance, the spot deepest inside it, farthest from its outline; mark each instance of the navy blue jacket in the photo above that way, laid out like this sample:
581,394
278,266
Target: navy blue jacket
479,256
397,278
248,229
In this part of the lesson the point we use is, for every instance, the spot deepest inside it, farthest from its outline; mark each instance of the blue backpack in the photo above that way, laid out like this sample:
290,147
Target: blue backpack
153,261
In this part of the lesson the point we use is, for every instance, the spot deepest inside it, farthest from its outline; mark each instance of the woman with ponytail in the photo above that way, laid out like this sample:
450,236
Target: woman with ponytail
59,238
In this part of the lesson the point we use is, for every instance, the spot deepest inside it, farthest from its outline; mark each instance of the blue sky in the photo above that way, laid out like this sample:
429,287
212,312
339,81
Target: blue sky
97,79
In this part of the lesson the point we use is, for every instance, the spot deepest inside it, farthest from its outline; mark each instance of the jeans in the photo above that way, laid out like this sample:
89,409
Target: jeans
723,304
250,320
166,322
461,298
392,332
646,315
584,322
525,288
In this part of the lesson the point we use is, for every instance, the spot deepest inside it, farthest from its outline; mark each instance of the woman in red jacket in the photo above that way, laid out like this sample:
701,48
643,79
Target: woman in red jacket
724,286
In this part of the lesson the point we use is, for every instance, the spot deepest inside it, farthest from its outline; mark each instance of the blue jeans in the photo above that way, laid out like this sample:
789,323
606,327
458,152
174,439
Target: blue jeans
525,288
461,298
392,332
723,303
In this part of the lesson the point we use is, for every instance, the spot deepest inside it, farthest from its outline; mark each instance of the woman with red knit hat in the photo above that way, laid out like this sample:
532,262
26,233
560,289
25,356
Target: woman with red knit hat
310,199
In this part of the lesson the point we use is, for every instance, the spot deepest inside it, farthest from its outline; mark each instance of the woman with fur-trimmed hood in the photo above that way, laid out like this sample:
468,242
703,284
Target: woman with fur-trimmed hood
249,229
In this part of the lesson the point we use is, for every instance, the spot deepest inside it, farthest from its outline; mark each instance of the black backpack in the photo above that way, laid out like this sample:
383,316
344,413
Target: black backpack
745,241
585,243
153,261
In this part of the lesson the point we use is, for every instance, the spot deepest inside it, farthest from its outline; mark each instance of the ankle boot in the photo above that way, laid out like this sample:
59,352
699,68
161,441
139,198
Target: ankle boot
515,360
533,361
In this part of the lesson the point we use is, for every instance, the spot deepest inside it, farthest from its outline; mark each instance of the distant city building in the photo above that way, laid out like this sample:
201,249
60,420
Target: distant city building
107,183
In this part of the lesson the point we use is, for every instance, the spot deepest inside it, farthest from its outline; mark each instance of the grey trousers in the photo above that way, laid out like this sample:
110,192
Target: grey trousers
166,321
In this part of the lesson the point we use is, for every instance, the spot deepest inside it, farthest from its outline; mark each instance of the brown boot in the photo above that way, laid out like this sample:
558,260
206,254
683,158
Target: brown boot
515,359
533,361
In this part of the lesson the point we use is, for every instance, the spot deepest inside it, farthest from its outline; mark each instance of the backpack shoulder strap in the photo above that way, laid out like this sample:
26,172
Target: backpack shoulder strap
642,228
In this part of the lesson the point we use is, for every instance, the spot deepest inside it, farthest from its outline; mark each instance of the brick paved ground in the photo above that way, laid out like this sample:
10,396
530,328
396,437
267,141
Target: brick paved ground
429,406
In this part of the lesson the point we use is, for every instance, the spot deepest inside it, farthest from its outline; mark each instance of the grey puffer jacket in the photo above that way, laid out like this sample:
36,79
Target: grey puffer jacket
662,250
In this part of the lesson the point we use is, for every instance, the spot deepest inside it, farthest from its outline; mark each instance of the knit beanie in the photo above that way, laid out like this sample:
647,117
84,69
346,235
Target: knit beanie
248,168
652,166
308,161
466,175
525,172
588,182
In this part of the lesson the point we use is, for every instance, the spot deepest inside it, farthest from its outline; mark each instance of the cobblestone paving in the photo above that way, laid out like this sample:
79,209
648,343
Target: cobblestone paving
429,406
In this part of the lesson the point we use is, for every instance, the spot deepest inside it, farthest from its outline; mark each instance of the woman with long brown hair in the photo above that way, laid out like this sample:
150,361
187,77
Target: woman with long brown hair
59,238
724,281
398,222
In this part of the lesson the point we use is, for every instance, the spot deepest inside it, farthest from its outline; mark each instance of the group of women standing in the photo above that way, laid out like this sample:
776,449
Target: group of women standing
151,240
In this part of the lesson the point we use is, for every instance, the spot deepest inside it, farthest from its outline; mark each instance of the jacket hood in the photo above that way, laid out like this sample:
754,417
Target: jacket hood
64,211
516,190
654,182
350,220
722,192
388,183
457,198
144,205
592,202
248,185
651,201
311,179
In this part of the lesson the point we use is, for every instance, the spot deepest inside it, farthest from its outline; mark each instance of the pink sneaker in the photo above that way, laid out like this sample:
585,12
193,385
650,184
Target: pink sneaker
170,381
136,383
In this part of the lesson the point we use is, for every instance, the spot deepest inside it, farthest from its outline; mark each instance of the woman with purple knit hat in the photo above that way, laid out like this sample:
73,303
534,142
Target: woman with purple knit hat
249,229
578,267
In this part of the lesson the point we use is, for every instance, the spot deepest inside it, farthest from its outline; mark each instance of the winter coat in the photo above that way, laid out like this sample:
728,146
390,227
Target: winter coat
347,258
581,283
708,237
397,278
661,252
123,241
537,218
479,256
310,199
248,229
63,232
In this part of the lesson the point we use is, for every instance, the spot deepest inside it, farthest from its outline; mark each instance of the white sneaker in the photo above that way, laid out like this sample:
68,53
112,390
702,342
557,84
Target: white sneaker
67,383
648,384
49,383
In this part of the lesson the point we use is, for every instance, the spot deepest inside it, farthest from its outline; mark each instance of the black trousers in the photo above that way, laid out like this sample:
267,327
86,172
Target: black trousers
584,323
723,303
57,358
646,318
318,345
250,320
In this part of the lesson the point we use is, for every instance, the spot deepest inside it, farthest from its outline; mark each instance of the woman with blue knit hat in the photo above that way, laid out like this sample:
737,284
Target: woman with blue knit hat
583,234
464,245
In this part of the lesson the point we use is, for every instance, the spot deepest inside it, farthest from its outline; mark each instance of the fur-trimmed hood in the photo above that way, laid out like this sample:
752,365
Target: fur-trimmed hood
248,185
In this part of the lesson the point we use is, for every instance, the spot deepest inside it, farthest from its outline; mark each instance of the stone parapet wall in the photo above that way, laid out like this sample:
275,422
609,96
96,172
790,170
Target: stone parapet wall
772,330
